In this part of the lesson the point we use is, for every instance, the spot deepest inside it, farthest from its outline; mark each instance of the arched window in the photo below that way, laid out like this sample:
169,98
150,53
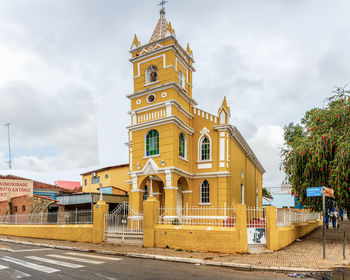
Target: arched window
182,145
152,143
145,194
205,149
151,74
181,79
205,192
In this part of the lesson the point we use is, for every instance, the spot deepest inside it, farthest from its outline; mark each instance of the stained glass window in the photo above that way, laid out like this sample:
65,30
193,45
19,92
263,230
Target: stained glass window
152,143
182,145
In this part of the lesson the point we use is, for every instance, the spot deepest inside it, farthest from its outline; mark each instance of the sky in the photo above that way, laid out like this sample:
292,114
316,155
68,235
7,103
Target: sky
65,74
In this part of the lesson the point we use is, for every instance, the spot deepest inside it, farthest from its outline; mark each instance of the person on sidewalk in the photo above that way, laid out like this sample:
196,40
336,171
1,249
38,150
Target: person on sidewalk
327,220
334,221
341,214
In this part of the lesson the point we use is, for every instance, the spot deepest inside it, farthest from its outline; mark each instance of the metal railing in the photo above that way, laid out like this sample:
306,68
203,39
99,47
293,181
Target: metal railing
44,218
256,217
287,216
198,216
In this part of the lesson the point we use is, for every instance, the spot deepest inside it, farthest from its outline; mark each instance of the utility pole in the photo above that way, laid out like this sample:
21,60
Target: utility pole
9,142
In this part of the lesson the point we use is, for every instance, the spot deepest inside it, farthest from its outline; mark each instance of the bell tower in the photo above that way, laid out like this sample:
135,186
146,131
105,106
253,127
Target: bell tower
161,104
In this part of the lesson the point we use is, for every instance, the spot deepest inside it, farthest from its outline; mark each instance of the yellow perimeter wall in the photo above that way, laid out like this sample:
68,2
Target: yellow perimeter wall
92,233
280,237
81,233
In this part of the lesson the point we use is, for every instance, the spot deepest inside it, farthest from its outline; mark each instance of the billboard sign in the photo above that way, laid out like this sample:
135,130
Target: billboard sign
11,188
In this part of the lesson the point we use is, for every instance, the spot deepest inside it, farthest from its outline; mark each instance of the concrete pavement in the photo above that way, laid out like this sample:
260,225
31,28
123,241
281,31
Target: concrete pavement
22,261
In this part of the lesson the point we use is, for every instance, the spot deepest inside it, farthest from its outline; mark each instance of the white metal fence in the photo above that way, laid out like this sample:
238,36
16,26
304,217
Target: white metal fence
123,224
285,216
198,216
66,217
256,217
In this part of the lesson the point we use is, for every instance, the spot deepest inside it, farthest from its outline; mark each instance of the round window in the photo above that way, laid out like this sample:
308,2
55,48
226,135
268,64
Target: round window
151,98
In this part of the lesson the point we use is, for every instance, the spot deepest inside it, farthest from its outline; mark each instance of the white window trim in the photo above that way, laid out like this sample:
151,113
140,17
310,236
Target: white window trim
144,144
185,152
147,79
200,160
201,193
182,82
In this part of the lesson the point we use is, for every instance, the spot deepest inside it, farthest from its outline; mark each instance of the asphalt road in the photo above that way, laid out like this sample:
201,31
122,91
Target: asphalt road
31,262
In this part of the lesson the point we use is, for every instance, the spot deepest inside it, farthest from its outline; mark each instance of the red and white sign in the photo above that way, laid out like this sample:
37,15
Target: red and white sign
11,188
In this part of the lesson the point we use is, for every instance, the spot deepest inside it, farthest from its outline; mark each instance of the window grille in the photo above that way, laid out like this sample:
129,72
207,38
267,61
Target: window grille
181,79
205,192
205,149
95,180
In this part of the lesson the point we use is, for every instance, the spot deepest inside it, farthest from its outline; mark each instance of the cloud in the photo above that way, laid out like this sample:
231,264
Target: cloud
64,71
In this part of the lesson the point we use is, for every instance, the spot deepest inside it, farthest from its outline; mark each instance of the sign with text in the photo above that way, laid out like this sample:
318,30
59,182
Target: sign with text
310,192
11,188
328,192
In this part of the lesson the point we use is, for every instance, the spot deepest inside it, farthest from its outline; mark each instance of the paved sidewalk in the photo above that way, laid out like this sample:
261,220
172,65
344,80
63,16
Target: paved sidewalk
303,255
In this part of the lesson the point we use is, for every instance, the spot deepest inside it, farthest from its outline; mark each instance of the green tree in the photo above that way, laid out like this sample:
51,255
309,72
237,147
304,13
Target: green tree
317,152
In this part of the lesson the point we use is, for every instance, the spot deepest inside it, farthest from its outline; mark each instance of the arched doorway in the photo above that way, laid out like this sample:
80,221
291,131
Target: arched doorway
156,190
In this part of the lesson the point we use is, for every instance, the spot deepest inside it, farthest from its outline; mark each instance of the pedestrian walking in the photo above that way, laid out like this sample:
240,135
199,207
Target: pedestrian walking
341,214
327,221
334,220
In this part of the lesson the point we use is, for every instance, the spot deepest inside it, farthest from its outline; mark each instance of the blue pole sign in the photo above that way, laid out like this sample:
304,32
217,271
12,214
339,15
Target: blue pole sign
314,191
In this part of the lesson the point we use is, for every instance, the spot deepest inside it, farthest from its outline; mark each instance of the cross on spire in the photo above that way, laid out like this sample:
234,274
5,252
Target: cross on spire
162,5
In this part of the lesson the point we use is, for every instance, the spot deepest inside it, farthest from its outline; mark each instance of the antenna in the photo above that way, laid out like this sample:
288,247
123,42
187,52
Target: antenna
9,141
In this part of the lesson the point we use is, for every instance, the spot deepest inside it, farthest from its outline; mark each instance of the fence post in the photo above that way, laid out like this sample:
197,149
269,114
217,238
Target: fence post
271,227
241,226
100,208
150,218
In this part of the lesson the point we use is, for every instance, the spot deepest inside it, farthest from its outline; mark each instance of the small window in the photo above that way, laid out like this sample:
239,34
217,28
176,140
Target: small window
23,208
205,149
151,74
152,143
151,98
85,182
181,79
145,194
15,208
205,192
182,145
242,194
95,180
106,176
257,201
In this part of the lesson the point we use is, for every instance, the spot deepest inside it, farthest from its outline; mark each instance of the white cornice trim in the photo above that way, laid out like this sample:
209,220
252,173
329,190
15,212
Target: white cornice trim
238,138
161,41
162,104
174,85
160,50
172,119
185,173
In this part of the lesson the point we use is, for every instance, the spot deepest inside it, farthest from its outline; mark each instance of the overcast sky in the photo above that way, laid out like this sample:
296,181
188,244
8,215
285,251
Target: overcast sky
64,73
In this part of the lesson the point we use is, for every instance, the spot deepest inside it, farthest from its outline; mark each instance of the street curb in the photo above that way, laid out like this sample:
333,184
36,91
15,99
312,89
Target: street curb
237,266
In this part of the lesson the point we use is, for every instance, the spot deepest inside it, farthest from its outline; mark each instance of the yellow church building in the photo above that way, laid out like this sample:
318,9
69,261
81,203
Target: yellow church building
179,153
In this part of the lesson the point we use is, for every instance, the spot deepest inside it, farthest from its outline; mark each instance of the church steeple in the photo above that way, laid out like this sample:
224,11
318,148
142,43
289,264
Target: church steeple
160,29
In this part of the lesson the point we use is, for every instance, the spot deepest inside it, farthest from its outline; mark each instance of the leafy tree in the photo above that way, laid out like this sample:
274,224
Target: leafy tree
266,192
317,152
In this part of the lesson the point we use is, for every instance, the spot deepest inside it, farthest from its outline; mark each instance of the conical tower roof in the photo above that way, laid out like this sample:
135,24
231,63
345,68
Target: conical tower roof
160,30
